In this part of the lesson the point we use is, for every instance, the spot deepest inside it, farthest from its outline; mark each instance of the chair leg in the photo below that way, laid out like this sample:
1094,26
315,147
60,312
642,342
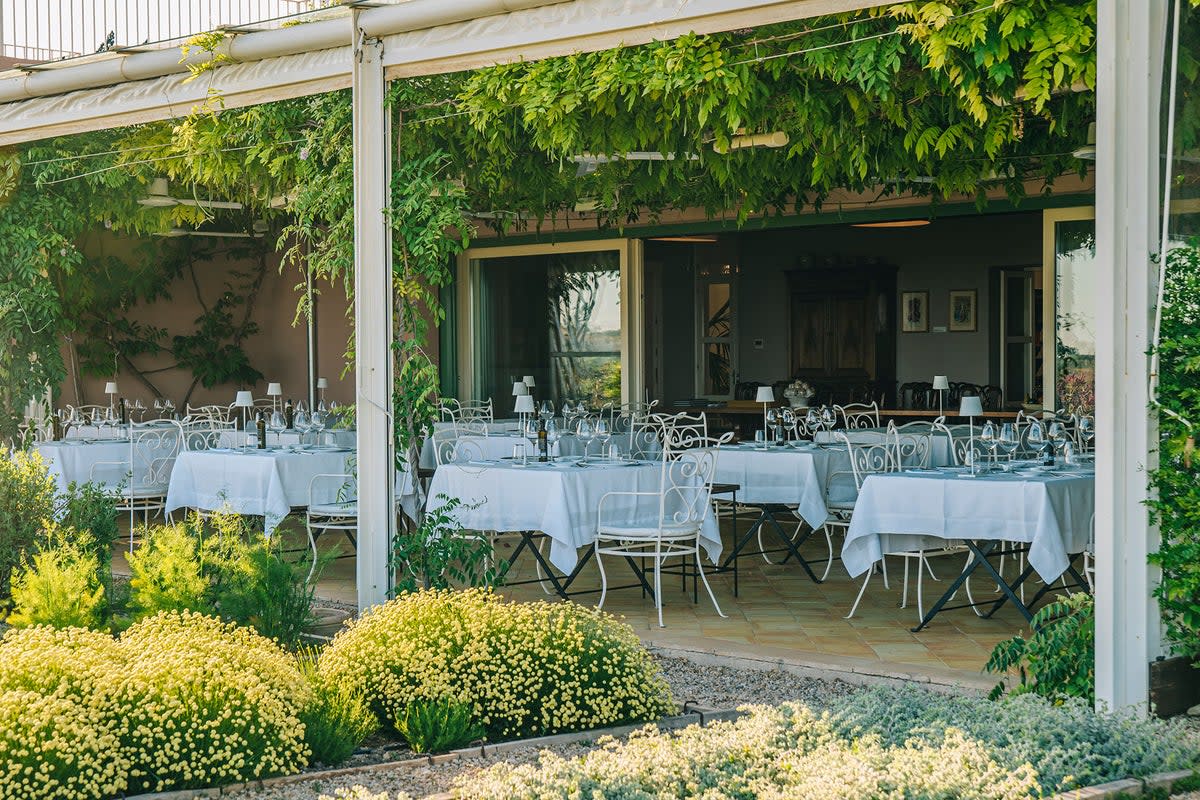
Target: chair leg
861,591
929,568
538,566
707,588
829,545
920,597
603,576
658,559
883,562
904,586
312,543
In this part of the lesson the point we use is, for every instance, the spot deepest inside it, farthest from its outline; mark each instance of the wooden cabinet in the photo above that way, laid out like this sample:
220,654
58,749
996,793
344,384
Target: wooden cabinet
843,331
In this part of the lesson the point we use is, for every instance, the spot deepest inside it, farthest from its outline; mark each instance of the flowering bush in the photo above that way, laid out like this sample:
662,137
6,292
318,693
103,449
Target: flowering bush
1078,392
61,587
181,700
26,500
524,668
336,719
205,702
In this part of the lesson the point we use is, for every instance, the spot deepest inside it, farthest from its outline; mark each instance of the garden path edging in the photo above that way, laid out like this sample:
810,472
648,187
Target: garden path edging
692,715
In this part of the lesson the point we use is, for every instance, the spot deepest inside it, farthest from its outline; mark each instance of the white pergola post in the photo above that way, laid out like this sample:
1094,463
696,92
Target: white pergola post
1129,79
372,321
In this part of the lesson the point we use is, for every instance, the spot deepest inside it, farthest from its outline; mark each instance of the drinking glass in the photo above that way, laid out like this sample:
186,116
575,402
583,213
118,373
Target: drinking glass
546,410
987,438
812,419
580,409
1087,431
1009,439
277,424
586,433
531,433
317,421
772,421
553,434
828,419
1057,434
302,424
169,407
1036,437
602,435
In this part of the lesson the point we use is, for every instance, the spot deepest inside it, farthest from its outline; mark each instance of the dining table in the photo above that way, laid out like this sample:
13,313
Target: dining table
560,500
105,462
1045,512
941,449
270,482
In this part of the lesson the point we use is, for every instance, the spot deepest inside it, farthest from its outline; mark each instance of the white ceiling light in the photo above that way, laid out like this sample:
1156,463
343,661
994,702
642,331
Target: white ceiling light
159,196
743,141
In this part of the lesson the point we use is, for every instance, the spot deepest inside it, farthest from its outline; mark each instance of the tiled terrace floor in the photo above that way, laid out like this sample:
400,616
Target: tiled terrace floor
780,615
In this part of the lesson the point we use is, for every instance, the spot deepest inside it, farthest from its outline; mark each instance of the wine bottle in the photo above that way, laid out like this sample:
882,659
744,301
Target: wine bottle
543,443
289,415
122,405
1046,454
260,427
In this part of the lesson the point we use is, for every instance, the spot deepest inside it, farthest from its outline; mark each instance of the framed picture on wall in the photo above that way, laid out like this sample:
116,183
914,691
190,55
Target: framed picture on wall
914,312
964,309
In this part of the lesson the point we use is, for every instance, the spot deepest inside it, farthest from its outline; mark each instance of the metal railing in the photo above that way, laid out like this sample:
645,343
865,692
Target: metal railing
51,30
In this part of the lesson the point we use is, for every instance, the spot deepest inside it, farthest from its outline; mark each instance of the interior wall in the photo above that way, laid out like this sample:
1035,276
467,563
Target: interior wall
278,350
949,254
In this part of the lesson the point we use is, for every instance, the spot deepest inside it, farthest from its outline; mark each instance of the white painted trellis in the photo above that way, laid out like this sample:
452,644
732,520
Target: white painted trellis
369,45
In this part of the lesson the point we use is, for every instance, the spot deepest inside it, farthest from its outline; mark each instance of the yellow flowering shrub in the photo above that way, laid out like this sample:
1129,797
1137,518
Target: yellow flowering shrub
57,727
57,746
524,668
205,702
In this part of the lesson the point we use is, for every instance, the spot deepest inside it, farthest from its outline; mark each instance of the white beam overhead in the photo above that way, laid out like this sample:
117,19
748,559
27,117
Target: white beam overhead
421,37
1129,83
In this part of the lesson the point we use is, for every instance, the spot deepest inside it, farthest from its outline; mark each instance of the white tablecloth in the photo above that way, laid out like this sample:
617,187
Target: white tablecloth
561,501
268,483
78,461
341,438
906,511
939,444
788,475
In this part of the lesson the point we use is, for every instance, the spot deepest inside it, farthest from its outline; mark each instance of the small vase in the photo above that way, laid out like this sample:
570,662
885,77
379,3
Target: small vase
798,402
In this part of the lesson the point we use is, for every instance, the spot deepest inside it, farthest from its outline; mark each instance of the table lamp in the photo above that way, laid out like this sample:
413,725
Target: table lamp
766,396
971,407
244,400
529,382
940,385
524,407
274,390
519,390
110,389
322,385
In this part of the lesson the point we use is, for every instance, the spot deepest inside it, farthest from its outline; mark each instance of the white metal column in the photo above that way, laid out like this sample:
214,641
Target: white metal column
1129,60
372,321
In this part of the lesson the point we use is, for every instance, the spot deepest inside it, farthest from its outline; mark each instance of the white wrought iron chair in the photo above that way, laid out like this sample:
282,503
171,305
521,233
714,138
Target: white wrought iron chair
145,474
477,410
682,502
340,514
206,434
858,415
210,413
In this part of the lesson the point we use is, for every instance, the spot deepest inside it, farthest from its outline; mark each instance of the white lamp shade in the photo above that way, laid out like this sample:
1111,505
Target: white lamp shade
940,382
110,387
970,406
520,388
524,404
322,383
274,390
244,400
529,381
766,394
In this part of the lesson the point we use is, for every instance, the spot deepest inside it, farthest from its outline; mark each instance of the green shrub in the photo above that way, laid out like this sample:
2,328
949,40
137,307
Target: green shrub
230,571
167,573
1059,657
203,702
61,587
26,501
336,720
434,726
524,668
88,507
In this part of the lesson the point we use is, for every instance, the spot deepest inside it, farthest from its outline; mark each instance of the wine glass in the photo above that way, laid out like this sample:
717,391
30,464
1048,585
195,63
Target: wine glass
602,434
987,438
277,424
586,433
158,406
789,422
546,411
318,421
828,420
302,423
1057,434
1009,440
772,420
1036,437
553,434
140,408
812,419
169,407
1087,431
531,433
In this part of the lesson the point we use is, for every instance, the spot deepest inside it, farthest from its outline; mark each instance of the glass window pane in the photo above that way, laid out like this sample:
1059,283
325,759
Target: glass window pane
1017,299
556,317
718,369
1075,312
717,311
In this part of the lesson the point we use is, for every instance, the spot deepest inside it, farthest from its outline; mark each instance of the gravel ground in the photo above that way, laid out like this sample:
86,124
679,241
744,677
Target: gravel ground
714,687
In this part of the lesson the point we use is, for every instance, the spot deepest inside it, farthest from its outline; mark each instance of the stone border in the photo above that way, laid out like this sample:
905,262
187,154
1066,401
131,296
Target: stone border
1130,787
691,715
